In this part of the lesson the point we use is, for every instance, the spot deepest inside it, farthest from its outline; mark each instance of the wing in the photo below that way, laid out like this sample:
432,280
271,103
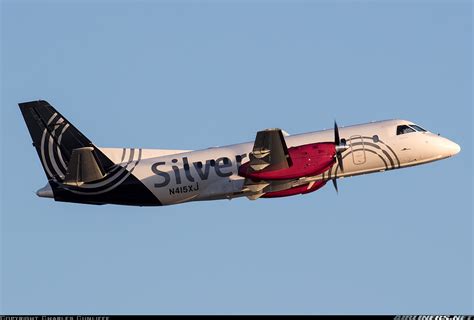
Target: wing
273,170
269,152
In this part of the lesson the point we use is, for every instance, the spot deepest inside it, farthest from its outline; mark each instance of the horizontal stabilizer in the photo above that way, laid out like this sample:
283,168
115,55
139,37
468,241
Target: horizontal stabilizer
83,167
45,192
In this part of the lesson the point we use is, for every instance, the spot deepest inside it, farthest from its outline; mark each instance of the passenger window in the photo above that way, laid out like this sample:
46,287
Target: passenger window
417,128
404,129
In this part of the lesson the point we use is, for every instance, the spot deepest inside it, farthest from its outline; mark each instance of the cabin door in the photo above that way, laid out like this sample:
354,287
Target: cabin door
357,150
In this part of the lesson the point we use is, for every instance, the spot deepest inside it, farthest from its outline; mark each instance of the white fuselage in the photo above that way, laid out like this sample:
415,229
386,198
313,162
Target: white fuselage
176,176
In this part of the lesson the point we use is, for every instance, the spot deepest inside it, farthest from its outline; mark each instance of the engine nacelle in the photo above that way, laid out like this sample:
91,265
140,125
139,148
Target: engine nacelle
307,188
306,160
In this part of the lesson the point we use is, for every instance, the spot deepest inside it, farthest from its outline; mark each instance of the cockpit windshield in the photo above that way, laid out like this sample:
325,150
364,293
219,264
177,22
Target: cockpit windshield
403,129
417,128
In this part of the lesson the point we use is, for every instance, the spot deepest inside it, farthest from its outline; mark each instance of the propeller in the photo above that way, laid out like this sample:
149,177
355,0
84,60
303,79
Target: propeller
334,182
340,148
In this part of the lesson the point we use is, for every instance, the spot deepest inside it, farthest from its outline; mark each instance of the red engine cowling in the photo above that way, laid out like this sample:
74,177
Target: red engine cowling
296,190
307,160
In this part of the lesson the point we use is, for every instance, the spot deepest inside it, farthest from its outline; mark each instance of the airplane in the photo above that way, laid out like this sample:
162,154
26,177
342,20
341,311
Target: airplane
275,165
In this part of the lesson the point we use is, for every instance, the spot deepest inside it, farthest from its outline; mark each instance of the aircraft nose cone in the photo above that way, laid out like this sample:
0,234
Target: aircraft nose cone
456,148
452,148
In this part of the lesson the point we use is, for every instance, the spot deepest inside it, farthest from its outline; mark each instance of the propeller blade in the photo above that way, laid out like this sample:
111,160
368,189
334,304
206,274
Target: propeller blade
339,160
334,182
337,141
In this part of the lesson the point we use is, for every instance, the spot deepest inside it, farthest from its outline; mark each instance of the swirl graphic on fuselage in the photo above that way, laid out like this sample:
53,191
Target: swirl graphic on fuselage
379,149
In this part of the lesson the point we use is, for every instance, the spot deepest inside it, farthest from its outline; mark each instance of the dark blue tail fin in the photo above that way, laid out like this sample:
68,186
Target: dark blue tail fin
55,138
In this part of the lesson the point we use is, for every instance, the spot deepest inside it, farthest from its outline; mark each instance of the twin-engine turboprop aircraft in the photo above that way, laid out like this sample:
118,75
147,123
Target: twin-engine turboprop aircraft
274,165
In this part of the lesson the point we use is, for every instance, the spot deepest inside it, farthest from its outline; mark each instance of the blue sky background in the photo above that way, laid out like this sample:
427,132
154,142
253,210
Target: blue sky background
196,74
